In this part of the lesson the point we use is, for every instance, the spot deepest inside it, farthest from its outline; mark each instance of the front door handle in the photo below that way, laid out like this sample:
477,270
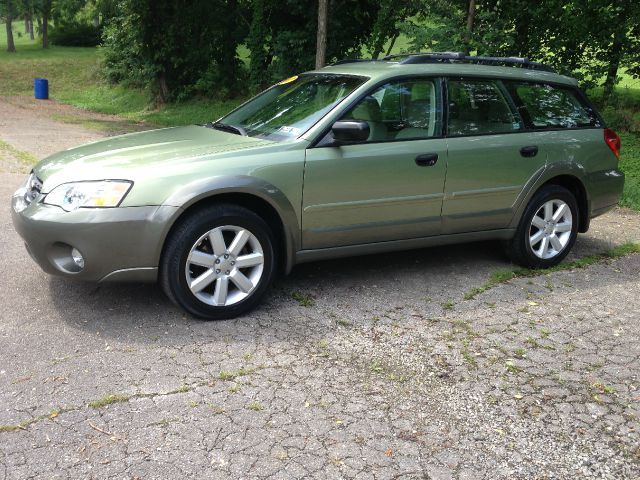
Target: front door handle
528,152
427,160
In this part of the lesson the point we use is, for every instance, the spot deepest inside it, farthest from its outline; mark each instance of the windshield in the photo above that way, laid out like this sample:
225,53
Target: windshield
290,108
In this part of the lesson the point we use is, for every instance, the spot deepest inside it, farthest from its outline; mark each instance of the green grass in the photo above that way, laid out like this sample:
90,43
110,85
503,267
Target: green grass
303,299
630,165
20,38
74,78
255,406
226,376
26,423
108,400
24,157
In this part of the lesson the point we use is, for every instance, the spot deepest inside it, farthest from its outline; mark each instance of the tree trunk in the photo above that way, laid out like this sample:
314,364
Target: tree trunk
377,50
393,42
9,18
321,44
46,13
615,56
45,30
471,15
379,45
31,36
230,43
163,89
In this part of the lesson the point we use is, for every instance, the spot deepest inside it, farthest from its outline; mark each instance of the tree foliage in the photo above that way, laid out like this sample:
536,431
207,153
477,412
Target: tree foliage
282,37
180,48
177,47
589,39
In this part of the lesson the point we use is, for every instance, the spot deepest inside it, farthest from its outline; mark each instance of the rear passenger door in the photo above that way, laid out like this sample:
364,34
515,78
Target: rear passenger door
492,157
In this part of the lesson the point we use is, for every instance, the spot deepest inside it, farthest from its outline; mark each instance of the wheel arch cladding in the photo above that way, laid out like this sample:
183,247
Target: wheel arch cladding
285,238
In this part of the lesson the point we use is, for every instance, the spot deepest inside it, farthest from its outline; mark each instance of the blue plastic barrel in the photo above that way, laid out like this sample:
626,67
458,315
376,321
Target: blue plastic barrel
41,88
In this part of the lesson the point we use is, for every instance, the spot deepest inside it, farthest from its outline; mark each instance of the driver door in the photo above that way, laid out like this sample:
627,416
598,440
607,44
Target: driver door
389,187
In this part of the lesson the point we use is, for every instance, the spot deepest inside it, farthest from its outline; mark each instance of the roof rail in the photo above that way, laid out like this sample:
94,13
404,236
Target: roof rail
453,57
353,60
434,55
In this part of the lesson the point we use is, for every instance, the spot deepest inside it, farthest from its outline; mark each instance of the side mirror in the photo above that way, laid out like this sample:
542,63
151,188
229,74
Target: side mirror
350,131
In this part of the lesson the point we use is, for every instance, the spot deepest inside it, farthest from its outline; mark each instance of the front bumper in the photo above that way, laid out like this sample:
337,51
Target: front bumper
117,244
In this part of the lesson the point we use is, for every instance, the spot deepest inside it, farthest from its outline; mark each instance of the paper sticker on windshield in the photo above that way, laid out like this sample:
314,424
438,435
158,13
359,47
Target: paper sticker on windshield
288,80
290,130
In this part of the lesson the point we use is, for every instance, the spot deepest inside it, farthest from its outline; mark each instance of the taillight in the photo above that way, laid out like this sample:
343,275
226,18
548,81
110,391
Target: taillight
612,140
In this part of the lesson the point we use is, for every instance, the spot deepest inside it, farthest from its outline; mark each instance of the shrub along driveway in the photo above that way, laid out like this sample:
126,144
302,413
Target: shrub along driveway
373,367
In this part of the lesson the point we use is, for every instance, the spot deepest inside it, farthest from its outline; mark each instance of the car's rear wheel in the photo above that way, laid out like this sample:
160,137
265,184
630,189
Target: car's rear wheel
548,229
218,262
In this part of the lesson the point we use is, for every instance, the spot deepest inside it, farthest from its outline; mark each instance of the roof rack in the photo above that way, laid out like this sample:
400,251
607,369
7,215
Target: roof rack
454,57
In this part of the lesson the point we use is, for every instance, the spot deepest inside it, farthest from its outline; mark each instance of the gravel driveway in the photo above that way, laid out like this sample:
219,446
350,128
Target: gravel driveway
372,367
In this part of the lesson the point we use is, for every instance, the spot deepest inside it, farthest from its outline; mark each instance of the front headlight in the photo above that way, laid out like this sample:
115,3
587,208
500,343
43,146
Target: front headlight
100,194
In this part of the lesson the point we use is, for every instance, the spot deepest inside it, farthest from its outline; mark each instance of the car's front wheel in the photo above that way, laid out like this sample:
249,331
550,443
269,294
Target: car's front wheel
218,262
548,229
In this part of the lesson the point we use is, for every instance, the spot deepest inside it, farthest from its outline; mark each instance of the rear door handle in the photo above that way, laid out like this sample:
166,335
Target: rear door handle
427,160
530,151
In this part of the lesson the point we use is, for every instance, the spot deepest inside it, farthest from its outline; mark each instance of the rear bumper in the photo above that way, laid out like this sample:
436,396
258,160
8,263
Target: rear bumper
117,244
605,188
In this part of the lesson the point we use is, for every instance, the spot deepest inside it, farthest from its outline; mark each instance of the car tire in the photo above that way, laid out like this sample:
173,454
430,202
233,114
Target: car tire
218,262
547,230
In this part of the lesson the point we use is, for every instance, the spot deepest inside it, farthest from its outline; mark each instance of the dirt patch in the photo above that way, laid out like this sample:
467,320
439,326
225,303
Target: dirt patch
33,129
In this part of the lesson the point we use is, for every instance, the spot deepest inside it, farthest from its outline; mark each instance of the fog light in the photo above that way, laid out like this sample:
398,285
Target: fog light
78,259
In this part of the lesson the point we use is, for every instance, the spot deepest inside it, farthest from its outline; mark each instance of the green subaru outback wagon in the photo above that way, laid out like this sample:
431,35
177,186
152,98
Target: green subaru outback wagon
357,158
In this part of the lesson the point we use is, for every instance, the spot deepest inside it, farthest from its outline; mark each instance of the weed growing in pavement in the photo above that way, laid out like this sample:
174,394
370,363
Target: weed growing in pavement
502,276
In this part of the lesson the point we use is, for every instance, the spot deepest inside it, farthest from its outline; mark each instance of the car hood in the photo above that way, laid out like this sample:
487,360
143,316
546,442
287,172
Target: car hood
137,155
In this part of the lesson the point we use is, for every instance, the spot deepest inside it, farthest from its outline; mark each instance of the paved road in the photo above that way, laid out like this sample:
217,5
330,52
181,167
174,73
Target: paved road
385,372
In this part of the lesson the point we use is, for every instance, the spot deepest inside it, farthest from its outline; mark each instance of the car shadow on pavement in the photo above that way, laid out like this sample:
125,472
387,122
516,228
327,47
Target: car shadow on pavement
298,306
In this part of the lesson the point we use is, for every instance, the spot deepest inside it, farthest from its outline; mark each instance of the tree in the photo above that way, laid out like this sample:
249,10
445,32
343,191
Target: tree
615,36
7,10
390,15
44,9
591,41
177,48
471,15
321,43
283,35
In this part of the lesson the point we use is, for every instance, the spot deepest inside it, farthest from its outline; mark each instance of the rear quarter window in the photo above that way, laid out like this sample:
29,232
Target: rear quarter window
479,107
551,107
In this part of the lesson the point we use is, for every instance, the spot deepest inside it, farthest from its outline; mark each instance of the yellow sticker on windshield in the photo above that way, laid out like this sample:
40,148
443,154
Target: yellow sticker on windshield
288,80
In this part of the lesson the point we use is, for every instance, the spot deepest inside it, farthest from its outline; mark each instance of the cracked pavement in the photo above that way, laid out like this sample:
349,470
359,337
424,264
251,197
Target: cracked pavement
386,373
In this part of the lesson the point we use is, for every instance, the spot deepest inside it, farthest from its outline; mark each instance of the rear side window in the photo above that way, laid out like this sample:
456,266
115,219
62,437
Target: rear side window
478,107
553,107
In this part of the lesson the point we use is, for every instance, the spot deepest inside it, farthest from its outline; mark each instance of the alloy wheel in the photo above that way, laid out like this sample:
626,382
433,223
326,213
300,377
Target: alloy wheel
550,229
224,266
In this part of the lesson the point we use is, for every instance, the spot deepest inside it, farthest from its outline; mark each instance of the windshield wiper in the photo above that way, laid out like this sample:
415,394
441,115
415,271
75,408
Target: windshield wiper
225,127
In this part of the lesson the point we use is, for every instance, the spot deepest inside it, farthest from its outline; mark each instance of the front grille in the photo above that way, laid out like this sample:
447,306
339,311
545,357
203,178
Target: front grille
32,188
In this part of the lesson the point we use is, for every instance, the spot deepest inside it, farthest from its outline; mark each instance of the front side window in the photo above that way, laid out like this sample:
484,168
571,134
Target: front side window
480,107
401,110
290,108
553,107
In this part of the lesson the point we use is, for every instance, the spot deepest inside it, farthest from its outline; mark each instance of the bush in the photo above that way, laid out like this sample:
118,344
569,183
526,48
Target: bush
622,119
124,61
76,35
175,49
